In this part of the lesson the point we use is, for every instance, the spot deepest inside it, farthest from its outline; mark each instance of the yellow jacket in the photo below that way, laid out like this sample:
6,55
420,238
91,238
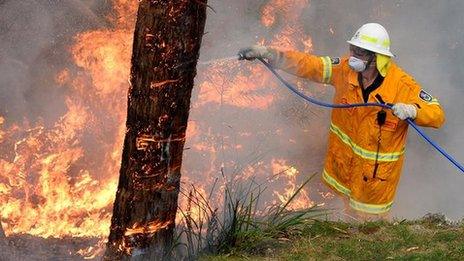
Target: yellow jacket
354,133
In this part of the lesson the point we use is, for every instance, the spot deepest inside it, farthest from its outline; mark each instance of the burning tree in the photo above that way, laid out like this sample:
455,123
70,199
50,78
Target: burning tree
165,52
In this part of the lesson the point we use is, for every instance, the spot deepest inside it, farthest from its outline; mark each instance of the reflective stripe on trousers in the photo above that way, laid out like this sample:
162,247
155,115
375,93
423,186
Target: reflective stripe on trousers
359,206
335,184
370,208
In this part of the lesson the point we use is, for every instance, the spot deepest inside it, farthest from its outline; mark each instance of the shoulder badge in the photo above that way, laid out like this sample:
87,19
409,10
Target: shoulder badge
425,96
335,60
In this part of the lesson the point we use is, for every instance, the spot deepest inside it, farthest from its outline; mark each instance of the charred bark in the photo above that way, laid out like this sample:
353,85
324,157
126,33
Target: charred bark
165,52
2,233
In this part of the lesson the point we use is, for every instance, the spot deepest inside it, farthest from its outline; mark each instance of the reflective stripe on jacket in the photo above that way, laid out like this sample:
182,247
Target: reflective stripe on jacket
354,133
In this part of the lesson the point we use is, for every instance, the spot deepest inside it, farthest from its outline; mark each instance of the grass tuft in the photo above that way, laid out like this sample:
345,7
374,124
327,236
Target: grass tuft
240,225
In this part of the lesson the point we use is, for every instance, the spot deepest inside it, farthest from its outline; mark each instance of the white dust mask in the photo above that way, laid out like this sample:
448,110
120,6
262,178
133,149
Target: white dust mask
357,64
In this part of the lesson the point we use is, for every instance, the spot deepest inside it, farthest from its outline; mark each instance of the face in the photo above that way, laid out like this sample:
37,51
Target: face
362,54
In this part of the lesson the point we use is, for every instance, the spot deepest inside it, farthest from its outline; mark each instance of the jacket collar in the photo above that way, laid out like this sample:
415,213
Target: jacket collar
353,76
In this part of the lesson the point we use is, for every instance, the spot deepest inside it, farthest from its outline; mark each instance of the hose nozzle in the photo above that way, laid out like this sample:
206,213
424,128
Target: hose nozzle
241,56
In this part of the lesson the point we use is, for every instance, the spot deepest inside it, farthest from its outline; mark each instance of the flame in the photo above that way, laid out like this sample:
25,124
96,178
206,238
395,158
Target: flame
52,184
149,228
290,15
235,87
53,203
60,180
249,88
302,200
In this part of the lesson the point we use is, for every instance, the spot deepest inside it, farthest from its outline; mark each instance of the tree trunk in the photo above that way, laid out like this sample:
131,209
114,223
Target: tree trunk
166,49
2,233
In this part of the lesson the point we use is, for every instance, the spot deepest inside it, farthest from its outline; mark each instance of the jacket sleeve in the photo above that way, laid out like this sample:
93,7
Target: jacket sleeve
429,111
314,68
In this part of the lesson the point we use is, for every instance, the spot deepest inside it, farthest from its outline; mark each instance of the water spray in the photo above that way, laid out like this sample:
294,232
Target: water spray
220,60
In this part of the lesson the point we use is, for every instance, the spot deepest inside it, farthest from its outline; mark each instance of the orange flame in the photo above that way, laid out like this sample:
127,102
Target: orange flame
61,180
149,228
302,200
51,185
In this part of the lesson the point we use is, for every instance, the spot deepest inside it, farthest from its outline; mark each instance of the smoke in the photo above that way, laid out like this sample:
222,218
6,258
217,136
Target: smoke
429,49
35,37
245,124
426,38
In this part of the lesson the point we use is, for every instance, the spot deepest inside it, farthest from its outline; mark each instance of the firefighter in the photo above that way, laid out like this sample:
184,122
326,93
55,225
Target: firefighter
366,145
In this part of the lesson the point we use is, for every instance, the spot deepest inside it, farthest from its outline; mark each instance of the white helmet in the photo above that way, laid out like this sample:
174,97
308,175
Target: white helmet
373,37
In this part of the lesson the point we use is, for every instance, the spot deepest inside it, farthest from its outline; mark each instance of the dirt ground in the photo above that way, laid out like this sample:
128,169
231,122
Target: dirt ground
27,247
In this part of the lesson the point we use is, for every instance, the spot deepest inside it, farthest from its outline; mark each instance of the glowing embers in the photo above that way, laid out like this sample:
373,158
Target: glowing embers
144,141
155,85
149,228
148,40
137,238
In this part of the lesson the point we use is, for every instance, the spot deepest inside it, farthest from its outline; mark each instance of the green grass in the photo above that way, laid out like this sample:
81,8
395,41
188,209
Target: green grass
425,239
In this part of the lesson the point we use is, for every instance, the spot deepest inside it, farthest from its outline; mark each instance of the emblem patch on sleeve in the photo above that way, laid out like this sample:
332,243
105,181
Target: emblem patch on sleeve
425,96
335,60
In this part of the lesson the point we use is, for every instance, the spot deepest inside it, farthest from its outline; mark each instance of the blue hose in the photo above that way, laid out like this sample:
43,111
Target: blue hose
345,106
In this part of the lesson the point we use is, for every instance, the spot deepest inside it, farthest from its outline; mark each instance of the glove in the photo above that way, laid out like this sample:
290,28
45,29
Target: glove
256,51
404,111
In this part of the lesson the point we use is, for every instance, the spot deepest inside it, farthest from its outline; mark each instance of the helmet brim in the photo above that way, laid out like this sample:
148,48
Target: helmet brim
369,48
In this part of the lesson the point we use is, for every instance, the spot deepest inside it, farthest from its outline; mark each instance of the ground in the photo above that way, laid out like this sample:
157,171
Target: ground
27,247
431,238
